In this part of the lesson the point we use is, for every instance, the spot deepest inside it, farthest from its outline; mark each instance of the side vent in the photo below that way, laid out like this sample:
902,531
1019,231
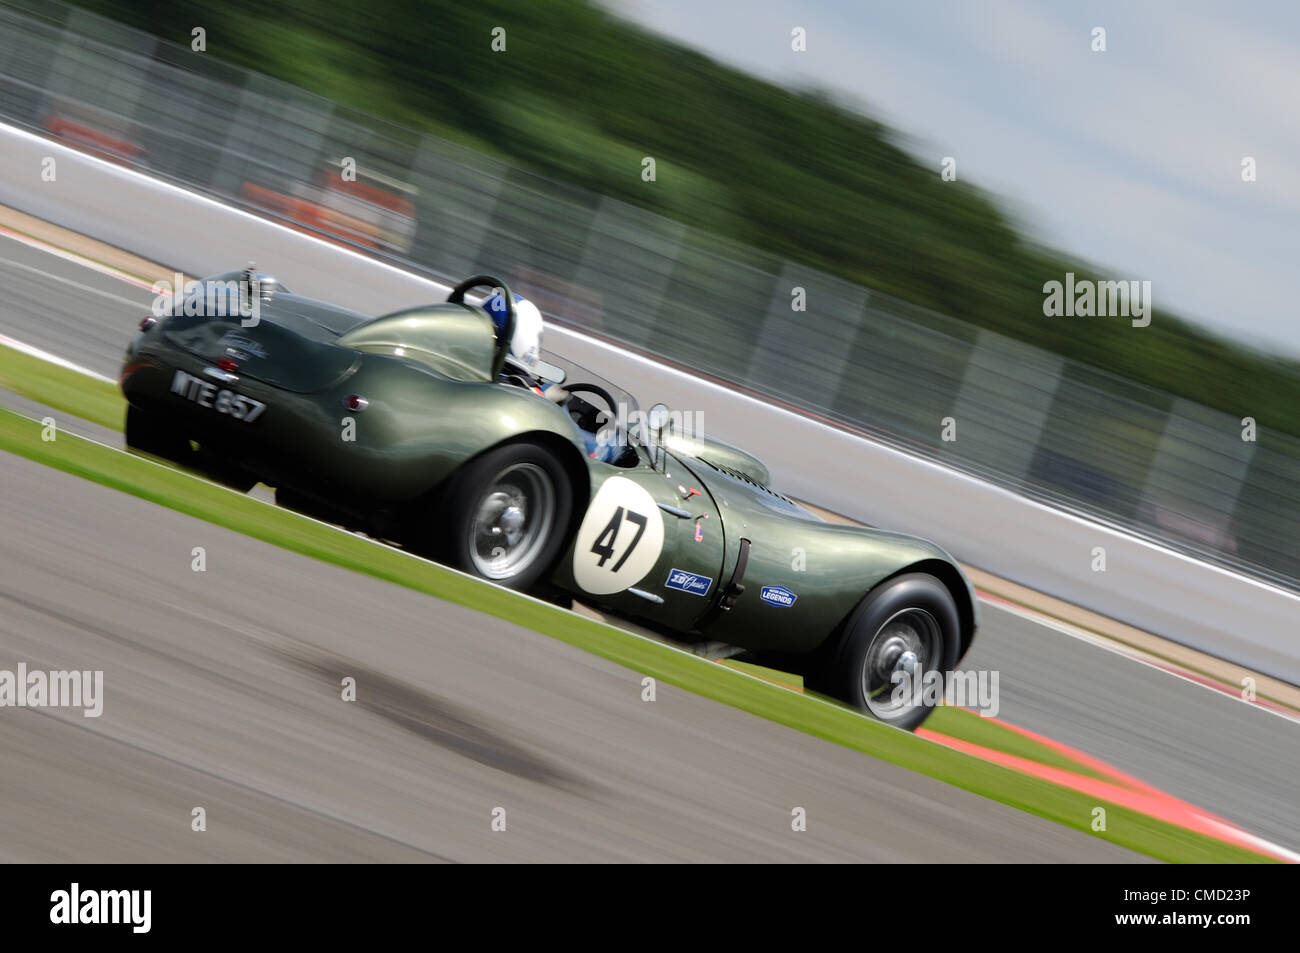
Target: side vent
743,478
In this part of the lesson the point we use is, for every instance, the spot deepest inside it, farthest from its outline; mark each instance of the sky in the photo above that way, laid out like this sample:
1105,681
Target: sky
1128,159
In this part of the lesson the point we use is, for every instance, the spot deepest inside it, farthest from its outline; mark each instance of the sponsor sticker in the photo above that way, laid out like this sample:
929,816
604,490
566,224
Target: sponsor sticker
688,582
778,596
240,345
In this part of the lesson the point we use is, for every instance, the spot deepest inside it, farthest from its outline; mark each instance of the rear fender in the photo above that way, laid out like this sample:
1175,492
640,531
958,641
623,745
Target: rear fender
568,452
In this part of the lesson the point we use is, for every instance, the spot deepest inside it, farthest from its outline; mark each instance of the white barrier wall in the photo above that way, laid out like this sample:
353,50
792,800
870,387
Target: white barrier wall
1199,605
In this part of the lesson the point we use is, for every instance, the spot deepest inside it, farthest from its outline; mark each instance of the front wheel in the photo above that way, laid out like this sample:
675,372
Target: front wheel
505,516
897,649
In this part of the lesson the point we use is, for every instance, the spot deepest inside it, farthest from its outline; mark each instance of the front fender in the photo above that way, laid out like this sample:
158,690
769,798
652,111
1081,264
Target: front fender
805,577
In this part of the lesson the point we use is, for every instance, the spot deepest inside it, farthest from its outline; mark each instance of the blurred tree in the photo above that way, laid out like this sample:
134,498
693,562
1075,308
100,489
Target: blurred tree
581,95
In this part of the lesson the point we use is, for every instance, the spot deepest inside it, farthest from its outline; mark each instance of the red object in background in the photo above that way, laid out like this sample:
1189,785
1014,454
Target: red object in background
341,210
87,139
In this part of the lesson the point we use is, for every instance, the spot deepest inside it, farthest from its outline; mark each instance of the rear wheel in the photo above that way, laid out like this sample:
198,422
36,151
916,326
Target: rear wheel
904,634
505,516
159,437
156,436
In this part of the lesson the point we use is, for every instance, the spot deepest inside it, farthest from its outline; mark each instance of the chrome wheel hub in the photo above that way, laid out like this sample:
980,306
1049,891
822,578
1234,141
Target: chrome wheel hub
512,521
903,650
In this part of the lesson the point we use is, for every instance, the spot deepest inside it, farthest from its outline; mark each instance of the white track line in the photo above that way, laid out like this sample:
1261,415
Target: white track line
68,281
52,358
1129,652
73,257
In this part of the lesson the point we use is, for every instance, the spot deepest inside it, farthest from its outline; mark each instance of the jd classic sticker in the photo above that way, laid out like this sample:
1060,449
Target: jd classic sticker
690,582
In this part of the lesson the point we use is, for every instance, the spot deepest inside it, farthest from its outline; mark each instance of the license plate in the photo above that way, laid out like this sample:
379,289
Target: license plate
216,398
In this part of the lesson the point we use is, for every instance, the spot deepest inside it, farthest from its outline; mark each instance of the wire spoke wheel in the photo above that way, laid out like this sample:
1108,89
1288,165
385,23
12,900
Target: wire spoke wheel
512,521
903,650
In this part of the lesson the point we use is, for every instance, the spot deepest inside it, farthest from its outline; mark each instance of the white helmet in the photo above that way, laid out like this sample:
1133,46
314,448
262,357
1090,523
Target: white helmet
526,344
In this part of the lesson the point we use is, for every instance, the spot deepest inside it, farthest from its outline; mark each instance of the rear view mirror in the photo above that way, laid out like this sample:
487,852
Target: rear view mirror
658,418
549,372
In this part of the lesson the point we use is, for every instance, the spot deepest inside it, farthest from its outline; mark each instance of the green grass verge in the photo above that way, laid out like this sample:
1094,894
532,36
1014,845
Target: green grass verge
98,401
203,500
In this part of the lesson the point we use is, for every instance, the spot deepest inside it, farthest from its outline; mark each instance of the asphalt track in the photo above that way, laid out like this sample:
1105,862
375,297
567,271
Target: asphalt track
222,691
1238,761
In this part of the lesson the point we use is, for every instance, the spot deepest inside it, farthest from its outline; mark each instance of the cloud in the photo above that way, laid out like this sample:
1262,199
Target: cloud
1129,159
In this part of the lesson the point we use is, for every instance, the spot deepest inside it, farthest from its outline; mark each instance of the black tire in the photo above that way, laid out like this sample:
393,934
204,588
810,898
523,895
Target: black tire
520,493
222,471
913,613
156,436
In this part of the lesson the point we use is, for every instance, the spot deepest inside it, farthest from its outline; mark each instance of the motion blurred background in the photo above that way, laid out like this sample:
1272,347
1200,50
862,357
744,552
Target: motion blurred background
924,297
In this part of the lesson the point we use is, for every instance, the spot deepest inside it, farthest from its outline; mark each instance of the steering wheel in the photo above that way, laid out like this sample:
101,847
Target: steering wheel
603,395
457,296
594,389
622,458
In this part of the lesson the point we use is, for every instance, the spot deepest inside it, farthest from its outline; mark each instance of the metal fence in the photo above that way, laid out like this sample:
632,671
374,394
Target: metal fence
1074,435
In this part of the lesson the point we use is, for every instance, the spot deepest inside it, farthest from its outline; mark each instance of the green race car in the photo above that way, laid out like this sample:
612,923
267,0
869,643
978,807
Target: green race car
413,428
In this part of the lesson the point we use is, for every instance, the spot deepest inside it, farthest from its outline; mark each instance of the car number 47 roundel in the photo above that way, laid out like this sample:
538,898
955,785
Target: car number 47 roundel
620,539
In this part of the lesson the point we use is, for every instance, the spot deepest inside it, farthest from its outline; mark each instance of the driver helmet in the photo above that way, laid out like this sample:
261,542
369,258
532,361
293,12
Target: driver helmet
526,345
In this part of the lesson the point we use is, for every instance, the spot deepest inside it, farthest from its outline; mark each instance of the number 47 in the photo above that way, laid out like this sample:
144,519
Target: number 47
604,544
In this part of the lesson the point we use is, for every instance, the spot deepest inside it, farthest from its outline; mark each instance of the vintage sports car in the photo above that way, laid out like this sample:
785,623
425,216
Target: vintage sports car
411,428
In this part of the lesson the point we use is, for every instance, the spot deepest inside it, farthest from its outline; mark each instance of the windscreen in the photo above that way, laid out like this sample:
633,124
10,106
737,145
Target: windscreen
574,373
